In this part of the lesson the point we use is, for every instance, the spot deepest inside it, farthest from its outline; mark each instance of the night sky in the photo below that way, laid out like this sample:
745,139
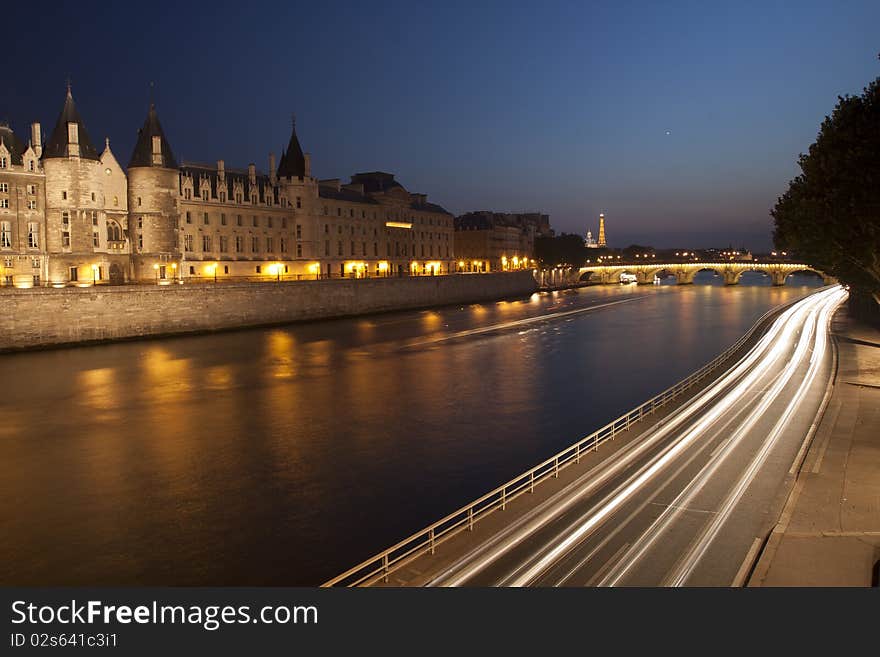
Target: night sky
682,122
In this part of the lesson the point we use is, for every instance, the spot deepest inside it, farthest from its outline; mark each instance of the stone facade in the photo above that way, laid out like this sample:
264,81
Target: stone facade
494,241
91,222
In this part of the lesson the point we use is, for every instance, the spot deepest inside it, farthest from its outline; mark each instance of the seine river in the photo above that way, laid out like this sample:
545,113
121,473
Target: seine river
283,456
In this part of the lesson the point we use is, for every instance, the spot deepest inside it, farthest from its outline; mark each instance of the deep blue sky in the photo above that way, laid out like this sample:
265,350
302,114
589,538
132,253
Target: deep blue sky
558,107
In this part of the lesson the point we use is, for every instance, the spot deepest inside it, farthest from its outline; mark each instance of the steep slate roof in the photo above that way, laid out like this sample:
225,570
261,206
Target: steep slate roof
200,172
13,144
143,149
57,144
376,181
293,162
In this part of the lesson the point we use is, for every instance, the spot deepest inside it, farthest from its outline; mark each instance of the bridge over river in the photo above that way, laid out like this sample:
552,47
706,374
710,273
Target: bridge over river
646,273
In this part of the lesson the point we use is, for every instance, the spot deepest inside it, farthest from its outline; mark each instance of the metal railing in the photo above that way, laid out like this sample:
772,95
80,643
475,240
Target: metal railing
426,540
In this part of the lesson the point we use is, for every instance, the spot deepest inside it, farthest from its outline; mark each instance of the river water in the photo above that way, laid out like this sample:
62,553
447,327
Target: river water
283,456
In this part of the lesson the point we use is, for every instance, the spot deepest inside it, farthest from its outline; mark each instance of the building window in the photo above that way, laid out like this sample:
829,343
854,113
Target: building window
239,244
224,244
2,162
6,234
192,270
269,245
352,248
205,219
65,218
238,198
338,248
238,220
225,269
33,235
204,194
188,243
187,194
65,239
139,201
93,196
74,273
299,250
4,202
4,187
140,222
255,244
338,212
284,222
31,167
223,197
299,202
259,269
140,241
206,242
96,239
326,228
255,222
63,196
189,218
35,263
299,232
94,218
283,245
115,201
326,247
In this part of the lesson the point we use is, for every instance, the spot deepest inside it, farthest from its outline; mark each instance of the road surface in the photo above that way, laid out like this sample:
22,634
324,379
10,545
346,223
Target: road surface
687,502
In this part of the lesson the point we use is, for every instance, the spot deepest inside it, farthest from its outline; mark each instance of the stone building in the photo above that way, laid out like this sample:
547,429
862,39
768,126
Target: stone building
494,241
69,215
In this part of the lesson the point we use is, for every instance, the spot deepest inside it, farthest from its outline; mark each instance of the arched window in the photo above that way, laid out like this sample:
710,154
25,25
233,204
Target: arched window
114,232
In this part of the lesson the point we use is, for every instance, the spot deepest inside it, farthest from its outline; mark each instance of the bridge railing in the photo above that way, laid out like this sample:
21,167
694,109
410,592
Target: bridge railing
426,540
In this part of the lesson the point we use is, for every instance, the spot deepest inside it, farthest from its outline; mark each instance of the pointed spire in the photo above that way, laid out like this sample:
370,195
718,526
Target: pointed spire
152,147
293,162
58,144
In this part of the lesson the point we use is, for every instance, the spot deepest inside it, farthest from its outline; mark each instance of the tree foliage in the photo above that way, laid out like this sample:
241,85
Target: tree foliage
564,249
830,214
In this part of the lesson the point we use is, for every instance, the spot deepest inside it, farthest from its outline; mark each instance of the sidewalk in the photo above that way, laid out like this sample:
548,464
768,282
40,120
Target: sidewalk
829,531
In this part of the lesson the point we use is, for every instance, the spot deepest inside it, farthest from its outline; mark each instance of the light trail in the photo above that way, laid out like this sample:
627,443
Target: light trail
809,316
640,547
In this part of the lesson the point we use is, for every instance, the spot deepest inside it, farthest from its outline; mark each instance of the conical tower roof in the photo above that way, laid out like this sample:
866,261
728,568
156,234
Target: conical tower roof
57,146
293,162
143,149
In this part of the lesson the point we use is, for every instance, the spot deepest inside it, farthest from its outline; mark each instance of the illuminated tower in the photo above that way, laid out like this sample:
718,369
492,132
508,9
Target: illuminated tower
601,241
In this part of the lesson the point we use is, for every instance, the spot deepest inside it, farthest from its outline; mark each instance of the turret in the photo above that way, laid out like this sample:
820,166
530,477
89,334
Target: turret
153,195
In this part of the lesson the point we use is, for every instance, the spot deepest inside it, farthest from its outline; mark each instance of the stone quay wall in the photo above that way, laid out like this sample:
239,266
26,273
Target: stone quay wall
43,317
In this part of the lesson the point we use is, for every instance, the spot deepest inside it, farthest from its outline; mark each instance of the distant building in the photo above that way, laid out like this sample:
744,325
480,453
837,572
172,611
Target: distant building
72,215
589,242
495,241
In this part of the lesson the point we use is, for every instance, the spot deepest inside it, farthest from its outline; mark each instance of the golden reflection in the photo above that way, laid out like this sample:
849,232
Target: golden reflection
218,378
168,378
96,388
280,356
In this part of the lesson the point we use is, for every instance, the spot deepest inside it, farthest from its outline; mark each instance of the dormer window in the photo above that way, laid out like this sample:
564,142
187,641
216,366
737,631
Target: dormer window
253,199
157,150
238,198
73,133
3,162
31,165
187,193
205,195
223,197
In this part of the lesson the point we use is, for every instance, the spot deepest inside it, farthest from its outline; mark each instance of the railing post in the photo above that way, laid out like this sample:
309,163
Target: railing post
385,567
556,468
532,481
503,498
431,535
577,453
471,519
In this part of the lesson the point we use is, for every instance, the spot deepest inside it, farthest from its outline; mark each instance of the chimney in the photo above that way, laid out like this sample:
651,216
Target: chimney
272,168
308,159
252,173
37,139
221,169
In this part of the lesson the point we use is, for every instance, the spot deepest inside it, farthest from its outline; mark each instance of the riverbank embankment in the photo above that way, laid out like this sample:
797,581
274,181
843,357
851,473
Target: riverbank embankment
46,317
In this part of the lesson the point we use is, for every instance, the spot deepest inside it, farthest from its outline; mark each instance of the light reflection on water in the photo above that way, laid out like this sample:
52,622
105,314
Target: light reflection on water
284,455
